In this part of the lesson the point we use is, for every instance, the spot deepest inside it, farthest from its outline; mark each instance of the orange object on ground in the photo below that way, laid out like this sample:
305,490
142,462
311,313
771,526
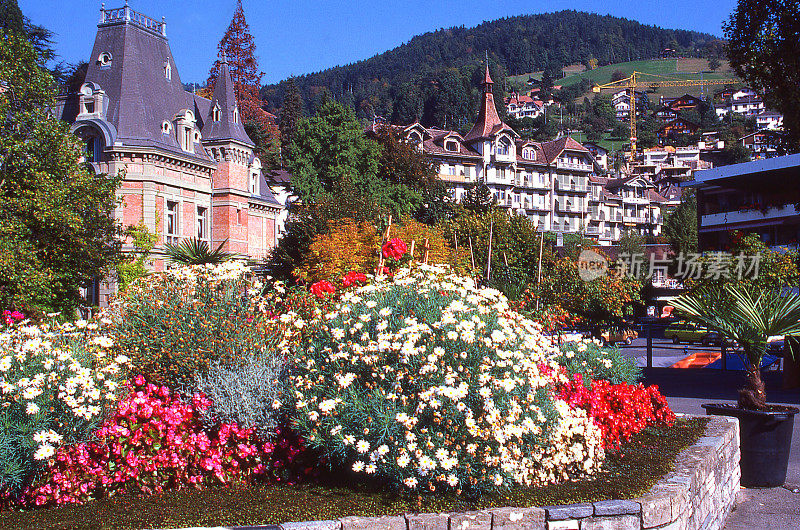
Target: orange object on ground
698,360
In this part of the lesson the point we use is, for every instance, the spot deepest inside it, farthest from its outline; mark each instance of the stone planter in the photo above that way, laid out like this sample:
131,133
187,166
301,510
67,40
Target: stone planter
698,494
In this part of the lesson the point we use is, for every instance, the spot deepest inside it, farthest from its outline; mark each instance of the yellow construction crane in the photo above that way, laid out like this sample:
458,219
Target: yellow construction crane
634,81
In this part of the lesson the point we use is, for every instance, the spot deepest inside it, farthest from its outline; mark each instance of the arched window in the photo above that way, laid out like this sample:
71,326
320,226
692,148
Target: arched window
104,60
216,114
503,147
167,70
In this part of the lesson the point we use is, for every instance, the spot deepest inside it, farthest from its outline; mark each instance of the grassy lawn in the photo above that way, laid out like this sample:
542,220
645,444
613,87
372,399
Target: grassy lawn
608,141
629,473
678,69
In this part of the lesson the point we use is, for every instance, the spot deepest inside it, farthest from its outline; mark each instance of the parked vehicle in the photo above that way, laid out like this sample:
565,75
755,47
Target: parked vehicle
690,332
612,337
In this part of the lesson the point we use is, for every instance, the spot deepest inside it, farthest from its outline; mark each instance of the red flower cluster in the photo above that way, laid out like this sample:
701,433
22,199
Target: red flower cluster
11,317
394,249
354,278
320,288
155,441
619,410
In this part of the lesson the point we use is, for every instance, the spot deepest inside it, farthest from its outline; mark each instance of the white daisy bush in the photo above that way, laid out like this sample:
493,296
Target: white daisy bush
56,381
428,383
593,361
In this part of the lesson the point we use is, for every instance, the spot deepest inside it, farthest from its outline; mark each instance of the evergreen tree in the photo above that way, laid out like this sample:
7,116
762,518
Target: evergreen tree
478,199
680,225
239,49
57,231
291,112
407,107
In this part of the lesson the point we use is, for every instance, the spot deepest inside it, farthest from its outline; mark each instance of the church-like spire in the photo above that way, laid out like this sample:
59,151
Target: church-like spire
224,121
487,80
489,121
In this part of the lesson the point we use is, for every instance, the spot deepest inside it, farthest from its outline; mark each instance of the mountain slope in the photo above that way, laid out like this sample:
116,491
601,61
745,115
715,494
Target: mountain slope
515,45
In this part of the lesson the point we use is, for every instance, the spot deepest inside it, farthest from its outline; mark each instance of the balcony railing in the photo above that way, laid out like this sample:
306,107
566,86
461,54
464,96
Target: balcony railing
573,165
593,230
504,156
126,14
639,219
530,183
578,188
569,209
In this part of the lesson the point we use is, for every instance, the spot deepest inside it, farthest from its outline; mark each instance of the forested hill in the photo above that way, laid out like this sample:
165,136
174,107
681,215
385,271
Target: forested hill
515,45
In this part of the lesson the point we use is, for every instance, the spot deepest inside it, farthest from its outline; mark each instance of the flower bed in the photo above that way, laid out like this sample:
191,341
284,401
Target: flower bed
633,473
417,385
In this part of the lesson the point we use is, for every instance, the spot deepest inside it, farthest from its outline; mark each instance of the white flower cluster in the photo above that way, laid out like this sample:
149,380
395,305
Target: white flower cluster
427,380
59,375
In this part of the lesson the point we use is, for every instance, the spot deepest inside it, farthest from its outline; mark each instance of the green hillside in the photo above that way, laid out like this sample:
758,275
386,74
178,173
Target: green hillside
671,68
434,78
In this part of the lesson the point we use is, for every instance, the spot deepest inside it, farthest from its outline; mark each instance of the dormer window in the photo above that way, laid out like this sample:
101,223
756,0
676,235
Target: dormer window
254,183
166,127
216,114
167,70
451,145
186,130
415,138
104,60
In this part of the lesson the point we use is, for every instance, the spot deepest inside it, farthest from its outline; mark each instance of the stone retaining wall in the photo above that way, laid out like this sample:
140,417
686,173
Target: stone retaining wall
697,495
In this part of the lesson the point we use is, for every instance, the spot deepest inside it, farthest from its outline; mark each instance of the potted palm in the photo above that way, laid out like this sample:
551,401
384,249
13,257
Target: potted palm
749,315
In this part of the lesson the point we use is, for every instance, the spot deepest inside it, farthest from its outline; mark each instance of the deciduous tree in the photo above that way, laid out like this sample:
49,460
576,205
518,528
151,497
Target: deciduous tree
57,233
764,48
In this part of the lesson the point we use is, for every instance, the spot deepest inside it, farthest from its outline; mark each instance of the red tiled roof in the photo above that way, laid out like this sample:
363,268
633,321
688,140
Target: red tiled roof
553,148
655,196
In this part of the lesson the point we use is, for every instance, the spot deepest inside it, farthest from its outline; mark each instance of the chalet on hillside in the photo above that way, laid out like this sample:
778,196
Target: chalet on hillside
677,127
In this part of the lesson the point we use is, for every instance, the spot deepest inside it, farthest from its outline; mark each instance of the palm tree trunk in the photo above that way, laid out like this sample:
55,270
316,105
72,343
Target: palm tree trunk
753,395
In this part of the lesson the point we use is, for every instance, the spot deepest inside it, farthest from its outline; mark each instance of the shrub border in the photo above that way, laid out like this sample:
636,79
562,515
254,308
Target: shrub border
698,494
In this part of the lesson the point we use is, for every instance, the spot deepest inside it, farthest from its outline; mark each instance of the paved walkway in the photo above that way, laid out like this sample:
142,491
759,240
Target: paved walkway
757,508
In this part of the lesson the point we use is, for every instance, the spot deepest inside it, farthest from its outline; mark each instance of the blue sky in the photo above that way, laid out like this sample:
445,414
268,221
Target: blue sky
300,36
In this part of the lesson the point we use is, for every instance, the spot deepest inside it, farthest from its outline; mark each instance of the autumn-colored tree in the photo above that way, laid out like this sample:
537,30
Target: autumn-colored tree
239,49
353,246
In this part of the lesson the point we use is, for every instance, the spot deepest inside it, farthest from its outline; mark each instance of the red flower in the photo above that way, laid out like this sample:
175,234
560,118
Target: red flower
354,278
321,287
394,248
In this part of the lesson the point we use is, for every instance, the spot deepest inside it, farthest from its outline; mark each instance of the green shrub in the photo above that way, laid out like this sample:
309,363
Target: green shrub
175,324
246,392
426,382
591,360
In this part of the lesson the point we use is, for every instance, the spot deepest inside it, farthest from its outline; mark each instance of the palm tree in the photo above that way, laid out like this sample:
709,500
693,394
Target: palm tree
196,252
749,315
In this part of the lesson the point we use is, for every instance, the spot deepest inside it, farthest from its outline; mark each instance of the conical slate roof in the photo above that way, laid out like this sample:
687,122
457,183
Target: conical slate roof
489,123
229,124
